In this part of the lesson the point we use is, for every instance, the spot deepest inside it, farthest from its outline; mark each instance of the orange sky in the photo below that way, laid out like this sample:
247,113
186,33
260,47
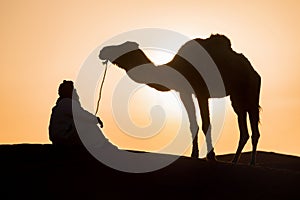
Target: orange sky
44,42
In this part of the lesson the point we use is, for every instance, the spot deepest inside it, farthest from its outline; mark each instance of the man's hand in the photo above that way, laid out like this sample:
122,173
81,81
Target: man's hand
100,122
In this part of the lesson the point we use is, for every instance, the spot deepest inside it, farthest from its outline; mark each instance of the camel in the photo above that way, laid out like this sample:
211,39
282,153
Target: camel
241,82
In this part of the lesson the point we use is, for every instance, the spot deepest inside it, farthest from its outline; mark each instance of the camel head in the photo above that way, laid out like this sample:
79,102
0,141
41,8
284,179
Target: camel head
118,54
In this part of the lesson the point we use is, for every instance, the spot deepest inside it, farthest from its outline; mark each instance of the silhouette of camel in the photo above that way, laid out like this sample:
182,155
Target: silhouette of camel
241,82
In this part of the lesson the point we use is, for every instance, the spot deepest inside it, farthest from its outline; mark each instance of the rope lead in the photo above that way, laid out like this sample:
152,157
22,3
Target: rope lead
100,90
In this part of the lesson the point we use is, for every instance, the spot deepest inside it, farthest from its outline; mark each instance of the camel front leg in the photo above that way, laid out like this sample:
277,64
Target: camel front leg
206,128
188,103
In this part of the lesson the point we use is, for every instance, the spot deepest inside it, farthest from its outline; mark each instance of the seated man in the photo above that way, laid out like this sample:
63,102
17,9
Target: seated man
68,118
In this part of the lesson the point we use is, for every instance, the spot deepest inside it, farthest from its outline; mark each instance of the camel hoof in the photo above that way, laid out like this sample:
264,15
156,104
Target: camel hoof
211,159
195,154
211,156
252,163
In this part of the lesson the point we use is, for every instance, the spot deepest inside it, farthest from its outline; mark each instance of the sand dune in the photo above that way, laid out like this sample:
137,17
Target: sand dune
46,172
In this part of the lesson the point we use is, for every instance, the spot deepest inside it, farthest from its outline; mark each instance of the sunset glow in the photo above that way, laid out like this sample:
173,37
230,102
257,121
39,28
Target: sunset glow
45,42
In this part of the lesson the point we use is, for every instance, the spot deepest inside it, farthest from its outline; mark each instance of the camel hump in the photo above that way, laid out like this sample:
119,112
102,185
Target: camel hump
220,40
215,42
215,45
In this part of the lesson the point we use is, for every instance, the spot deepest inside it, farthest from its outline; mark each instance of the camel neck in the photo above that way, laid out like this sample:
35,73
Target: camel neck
133,59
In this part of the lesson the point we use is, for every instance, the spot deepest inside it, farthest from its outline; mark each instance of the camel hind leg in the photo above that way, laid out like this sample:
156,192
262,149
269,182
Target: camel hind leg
254,114
244,135
254,120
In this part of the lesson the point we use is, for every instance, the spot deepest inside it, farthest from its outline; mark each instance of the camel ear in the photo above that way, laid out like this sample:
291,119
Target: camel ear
134,45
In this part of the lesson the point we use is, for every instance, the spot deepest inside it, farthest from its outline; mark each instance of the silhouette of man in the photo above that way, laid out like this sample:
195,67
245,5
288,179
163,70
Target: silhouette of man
62,130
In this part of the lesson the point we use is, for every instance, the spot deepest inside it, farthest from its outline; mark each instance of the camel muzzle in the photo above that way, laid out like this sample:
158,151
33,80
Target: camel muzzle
104,62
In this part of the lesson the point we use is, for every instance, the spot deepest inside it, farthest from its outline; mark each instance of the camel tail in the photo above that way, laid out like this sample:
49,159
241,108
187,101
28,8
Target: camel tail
257,94
259,111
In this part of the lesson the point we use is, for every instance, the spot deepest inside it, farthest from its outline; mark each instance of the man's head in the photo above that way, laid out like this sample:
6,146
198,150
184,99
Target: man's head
66,89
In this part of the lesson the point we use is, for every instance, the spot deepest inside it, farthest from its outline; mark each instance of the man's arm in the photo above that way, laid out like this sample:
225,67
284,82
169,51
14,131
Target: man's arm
74,109
100,122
